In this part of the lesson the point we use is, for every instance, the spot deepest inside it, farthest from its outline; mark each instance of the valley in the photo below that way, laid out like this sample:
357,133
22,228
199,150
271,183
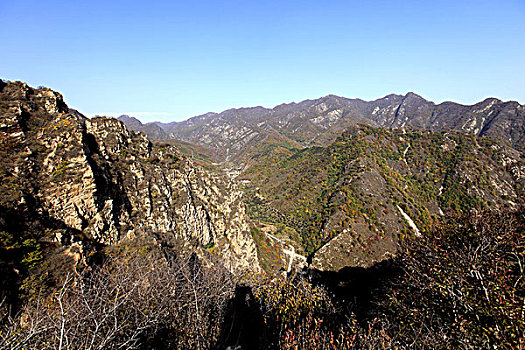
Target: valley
360,174
340,220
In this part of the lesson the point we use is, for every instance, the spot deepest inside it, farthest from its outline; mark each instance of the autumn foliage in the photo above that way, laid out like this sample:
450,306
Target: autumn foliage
460,285
463,285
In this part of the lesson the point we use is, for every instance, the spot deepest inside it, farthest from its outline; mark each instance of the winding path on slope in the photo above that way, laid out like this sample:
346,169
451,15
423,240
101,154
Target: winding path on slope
291,252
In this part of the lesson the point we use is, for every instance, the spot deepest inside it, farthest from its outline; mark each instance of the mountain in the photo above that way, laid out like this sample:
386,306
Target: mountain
314,176
236,132
410,237
154,131
71,185
279,151
352,202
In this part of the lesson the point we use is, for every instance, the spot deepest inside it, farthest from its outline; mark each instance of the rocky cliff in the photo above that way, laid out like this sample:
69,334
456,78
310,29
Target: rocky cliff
77,182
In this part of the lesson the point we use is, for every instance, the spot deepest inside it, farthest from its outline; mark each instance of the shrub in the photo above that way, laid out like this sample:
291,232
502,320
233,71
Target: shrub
134,300
299,315
463,285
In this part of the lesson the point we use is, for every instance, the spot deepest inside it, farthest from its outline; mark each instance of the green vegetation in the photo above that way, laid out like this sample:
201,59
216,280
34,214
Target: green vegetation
25,254
268,251
365,174
463,285
460,285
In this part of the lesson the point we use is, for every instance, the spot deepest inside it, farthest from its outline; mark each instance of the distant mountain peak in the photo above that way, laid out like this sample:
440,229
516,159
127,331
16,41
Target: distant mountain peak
332,97
234,133
413,95
128,120
490,100
390,96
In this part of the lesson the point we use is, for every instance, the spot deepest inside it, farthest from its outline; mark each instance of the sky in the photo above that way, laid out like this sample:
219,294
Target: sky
170,60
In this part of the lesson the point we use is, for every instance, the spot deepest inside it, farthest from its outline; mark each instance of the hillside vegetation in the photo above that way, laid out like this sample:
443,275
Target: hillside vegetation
345,202
356,237
459,285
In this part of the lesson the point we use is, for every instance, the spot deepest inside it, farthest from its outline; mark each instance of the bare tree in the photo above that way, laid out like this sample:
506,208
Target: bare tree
129,302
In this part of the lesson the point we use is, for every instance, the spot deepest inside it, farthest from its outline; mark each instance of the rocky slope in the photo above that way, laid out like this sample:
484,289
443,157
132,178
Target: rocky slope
350,203
319,122
274,148
154,131
76,184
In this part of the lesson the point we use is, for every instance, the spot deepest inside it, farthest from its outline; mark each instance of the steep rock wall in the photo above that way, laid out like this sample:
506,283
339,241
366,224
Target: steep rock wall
103,183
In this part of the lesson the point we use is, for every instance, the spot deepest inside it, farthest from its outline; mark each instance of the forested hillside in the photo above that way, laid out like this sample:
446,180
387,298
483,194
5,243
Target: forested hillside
380,238
349,204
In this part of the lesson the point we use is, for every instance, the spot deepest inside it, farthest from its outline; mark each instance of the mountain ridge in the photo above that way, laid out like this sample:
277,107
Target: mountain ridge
321,121
125,117
352,202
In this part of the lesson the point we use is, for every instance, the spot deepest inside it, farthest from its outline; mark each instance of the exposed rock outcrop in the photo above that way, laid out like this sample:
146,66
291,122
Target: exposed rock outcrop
104,183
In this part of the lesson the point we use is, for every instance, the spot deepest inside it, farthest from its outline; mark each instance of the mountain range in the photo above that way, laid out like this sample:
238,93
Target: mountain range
337,181
236,133
343,180
330,213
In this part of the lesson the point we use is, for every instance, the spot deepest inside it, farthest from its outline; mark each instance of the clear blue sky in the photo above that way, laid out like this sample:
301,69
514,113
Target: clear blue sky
169,60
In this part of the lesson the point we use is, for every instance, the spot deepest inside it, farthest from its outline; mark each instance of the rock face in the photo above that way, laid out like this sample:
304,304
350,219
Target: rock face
93,180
